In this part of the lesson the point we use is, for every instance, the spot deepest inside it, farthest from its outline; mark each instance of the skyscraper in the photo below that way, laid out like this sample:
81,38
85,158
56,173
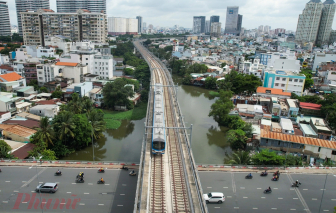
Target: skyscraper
216,29
309,21
139,24
327,18
199,24
4,17
31,5
214,19
71,6
207,27
233,21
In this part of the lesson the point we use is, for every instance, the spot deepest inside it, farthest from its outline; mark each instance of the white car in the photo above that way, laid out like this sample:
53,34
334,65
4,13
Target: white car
214,197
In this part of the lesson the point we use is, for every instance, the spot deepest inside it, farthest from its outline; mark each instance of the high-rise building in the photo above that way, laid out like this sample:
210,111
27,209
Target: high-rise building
214,19
36,26
71,6
139,24
327,18
29,5
309,21
4,17
199,24
144,25
233,21
261,29
122,26
207,27
267,29
216,29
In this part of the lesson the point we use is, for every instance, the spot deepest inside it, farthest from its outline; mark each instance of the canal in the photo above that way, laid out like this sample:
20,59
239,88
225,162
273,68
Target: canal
124,144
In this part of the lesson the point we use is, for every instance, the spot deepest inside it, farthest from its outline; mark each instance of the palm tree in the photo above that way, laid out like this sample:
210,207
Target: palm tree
65,125
96,119
87,104
45,131
75,105
240,157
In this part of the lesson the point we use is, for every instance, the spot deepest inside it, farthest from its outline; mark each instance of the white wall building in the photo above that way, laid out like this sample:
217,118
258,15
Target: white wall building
4,59
47,52
74,71
61,42
46,73
322,57
103,66
122,26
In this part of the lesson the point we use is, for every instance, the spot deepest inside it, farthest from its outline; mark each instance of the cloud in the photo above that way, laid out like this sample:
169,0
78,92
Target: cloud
275,13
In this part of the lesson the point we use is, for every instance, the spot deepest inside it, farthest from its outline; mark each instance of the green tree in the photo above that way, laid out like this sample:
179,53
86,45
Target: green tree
210,83
168,48
187,80
57,93
87,105
237,139
128,71
43,89
48,154
144,95
221,108
268,157
223,64
4,149
96,119
147,42
45,132
64,126
75,105
116,94
240,157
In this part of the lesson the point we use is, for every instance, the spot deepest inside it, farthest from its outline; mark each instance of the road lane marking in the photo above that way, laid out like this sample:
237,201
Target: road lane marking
120,205
62,203
236,207
104,193
24,202
295,198
242,187
217,207
314,198
245,197
82,204
68,192
40,182
280,198
107,184
298,193
304,189
100,204
291,189
324,189
293,209
23,181
275,188
325,210
209,187
73,183
122,194
32,191
229,196
16,191
225,187
86,193
7,181
263,197
333,199
5,201
255,208
258,188
233,183
124,184
274,208
90,183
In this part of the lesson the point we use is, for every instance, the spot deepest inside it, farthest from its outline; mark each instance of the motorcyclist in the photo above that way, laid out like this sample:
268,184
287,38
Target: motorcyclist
269,189
101,180
58,171
296,182
264,173
101,169
250,175
132,172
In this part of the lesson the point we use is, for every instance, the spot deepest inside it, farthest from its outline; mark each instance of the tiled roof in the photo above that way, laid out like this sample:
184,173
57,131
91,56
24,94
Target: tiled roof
18,130
312,106
5,67
26,123
13,76
48,102
273,91
298,139
66,64
22,152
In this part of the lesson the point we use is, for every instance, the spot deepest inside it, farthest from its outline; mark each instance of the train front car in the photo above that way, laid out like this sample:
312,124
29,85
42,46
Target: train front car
159,133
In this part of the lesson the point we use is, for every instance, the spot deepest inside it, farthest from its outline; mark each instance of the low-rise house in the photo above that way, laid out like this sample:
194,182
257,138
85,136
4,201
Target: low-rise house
7,104
22,107
287,126
293,108
4,116
271,92
29,123
16,132
307,130
28,116
321,128
83,89
11,80
24,91
311,147
4,69
49,111
310,108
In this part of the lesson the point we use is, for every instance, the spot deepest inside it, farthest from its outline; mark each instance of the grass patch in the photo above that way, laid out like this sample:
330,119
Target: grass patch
113,118
214,94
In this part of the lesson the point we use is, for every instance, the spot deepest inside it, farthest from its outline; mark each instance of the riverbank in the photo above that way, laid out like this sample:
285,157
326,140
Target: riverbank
113,119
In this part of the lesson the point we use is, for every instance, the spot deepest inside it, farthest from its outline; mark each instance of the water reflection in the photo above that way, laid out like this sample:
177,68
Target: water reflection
123,131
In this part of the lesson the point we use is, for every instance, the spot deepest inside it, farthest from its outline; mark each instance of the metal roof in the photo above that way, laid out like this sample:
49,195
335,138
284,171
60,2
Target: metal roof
298,139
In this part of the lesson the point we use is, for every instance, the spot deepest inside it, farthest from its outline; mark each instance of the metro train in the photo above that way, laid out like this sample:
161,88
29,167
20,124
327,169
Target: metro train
158,134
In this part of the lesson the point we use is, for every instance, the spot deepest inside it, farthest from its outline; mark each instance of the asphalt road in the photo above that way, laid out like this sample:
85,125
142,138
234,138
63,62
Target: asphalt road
17,185
246,195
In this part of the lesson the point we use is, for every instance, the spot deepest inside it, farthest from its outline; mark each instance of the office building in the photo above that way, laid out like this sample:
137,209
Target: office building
233,21
29,5
309,21
199,24
4,17
122,26
327,18
207,27
71,6
216,29
139,24
214,19
267,29
79,26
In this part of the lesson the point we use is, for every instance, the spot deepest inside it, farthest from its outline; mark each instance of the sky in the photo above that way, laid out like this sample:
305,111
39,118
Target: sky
275,13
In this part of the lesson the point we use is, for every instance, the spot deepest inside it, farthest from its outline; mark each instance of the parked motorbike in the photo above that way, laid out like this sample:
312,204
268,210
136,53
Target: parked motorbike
100,182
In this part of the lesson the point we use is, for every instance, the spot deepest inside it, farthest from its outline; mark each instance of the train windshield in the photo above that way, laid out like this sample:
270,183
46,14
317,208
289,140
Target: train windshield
158,145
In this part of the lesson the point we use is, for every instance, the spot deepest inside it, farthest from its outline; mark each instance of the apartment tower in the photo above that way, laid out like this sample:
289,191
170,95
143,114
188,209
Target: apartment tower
139,24
29,5
4,17
71,6
199,24
233,21
327,18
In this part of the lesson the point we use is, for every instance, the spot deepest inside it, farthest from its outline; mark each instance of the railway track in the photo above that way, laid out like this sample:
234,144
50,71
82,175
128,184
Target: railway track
168,191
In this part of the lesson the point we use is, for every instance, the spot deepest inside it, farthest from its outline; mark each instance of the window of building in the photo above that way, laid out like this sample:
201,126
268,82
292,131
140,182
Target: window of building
276,84
319,149
87,64
333,152
277,78
295,80
282,85
266,140
95,62
283,79
106,63
87,58
301,80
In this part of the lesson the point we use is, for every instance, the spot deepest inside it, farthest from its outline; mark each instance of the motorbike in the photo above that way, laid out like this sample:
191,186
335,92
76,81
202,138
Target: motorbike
100,182
78,180
276,173
264,174
132,174
296,185
124,168
268,191
248,177
58,174
101,171
275,179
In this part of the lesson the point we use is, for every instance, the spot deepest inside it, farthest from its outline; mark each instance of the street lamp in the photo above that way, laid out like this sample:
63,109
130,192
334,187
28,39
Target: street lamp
92,141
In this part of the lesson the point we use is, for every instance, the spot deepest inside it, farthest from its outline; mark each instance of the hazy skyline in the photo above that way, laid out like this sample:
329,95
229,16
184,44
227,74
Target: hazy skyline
275,13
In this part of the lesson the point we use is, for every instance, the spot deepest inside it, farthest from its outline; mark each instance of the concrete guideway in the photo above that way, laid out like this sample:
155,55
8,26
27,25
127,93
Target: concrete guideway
246,195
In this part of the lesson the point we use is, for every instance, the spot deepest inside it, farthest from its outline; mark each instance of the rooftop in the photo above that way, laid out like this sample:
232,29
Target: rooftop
22,152
266,90
13,76
311,106
66,64
18,130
